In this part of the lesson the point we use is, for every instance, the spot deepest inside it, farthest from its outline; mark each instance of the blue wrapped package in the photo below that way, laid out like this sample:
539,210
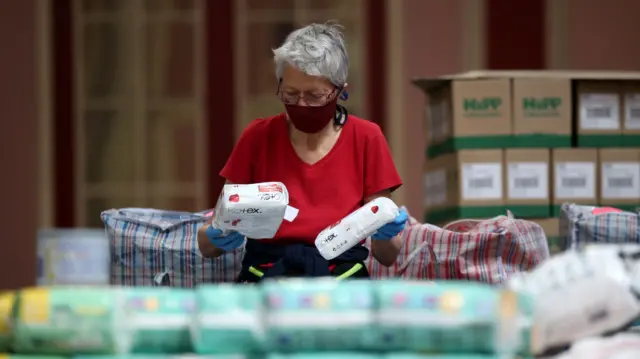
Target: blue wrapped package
319,315
447,318
228,320
325,355
160,319
449,356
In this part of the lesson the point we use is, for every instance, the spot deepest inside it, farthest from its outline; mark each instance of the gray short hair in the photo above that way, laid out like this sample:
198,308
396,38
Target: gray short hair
317,50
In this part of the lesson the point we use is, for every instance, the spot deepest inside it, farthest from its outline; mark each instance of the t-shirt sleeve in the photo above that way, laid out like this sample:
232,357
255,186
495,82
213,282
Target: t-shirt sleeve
380,172
239,166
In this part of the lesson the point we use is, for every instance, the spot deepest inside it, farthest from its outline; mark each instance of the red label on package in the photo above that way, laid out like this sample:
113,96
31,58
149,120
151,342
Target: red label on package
602,210
274,187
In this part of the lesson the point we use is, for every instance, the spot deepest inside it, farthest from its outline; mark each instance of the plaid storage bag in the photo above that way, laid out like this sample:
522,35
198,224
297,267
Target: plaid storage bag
478,250
587,224
151,247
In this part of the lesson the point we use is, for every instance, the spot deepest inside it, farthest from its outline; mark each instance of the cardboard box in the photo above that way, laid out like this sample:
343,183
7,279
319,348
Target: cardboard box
467,113
542,112
619,178
474,185
551,227
527,177
631,114
436,176
438,117
479,107
574,177
599,113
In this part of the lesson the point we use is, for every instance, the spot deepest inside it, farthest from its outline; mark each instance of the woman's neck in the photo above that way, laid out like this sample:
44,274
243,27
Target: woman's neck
314,140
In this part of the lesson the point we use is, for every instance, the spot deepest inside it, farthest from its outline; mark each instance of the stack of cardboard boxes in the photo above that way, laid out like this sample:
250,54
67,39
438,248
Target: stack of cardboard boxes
529,141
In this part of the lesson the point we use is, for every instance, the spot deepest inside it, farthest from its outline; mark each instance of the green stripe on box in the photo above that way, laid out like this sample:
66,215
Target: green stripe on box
470,143
530,211
541,141
464,212
599,140
630,141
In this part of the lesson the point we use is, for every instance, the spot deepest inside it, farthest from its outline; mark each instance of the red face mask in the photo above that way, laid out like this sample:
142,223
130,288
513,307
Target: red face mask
310,119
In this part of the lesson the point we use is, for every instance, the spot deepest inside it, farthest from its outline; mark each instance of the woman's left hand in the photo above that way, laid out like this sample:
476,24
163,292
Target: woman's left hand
392,229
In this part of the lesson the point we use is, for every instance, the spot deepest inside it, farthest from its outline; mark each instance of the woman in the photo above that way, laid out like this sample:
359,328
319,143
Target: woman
331,162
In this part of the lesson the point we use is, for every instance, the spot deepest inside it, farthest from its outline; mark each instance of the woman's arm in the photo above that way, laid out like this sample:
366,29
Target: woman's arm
207,249
385,252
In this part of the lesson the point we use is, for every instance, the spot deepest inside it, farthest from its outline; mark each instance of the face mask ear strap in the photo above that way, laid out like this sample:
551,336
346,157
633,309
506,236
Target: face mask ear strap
341,116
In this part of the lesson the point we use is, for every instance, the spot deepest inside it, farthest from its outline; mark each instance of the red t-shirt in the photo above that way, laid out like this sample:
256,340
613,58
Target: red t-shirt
359,165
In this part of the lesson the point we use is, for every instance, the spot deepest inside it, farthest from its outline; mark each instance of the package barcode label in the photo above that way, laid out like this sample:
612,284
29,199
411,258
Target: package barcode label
481,182
531,182
620,182
572,182
599,112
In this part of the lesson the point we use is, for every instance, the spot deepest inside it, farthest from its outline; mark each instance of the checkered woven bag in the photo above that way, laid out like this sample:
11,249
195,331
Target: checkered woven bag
487,251
587,224
155,247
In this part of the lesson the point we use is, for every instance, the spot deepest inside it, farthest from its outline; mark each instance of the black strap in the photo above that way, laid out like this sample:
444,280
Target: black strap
342,115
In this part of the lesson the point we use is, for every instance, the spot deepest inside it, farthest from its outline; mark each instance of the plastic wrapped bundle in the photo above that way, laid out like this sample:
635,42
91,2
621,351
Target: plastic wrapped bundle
447,317
621,346
160,319
228,320
327,355
449,356
73,320
581,294
319,315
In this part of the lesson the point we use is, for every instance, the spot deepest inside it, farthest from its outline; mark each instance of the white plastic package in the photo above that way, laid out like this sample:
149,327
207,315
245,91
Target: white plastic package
580,294
621,346
360,224
253,210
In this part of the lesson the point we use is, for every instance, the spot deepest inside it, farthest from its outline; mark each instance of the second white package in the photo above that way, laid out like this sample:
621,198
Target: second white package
580,294
253,210
360,224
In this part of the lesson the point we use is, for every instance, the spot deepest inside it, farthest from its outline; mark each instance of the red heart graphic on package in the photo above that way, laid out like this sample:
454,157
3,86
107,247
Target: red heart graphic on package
374,209
235,222
234,198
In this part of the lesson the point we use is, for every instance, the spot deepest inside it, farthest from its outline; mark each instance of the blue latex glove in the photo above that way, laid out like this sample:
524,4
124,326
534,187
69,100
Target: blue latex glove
227,242
393,228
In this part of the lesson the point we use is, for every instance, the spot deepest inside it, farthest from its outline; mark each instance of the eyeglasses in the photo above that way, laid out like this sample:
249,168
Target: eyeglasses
291,98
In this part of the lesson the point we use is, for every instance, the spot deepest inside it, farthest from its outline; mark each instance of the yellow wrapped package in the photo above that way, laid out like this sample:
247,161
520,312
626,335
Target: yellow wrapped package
6,308
70,320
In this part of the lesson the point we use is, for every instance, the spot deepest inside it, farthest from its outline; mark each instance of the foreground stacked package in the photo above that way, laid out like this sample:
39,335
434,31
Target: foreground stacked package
448,317
228,320
325,314
581,294
294,316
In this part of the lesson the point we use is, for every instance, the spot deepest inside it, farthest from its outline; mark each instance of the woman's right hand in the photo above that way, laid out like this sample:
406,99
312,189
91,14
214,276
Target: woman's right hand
227,242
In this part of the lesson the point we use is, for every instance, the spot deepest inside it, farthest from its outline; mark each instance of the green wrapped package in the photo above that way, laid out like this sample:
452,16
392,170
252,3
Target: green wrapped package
325,355
155,356
6,308
70,320
447,318
525,322
319,315
228,320
160,319
448,356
